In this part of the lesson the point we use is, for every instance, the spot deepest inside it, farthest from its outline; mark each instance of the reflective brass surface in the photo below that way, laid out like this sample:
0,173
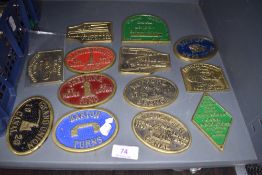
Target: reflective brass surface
91,32
142,60
204,78
30,125
161,132
150,92
46,67
212,120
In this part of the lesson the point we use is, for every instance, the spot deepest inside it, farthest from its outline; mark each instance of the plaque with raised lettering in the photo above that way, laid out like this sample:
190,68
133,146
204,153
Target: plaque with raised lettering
161,132
142,60
195,48
150,92
85,130
91,32
145,29
30,125
212,120
46,67
89,59
87,90
204,78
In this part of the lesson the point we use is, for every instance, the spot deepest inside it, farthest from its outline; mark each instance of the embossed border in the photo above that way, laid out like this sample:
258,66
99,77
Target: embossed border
186,59
88,149
155,107
91,105
144,42
100,70
219,147
218,67
141,73
34,59
157,149
100,41
46,134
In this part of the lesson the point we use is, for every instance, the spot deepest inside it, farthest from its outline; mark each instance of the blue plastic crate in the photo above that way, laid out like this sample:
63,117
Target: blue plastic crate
4,117
11,64
16,26
7,99
14,41
32,13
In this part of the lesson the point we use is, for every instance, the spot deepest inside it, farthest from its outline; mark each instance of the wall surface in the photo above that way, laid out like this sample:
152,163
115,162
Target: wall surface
236,26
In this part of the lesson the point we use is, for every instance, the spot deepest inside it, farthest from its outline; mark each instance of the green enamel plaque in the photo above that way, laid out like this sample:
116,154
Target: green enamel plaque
212,119
145,29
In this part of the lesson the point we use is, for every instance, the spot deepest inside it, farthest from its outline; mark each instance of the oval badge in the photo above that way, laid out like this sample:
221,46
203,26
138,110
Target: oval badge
85,130
161,132
30,125
150,92
87,90
89,59
195,48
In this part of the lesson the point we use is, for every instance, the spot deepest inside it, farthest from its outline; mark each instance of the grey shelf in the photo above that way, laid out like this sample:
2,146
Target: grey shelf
182,19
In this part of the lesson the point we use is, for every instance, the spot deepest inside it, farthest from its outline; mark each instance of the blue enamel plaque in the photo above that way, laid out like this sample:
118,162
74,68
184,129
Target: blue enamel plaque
85,130
195,48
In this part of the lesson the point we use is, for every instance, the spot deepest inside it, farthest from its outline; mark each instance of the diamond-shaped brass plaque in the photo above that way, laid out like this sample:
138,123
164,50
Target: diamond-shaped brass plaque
213,120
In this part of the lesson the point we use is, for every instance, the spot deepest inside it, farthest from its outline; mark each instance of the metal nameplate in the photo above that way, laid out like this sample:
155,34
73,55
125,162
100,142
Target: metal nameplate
30,125
46,67
91,32
142,60
87,90
85,130
150,92
161,132
212,120
145,29
195,48
89,59
204,78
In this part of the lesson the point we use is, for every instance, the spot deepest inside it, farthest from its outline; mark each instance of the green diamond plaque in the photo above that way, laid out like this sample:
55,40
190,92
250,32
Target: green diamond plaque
213,120
145,29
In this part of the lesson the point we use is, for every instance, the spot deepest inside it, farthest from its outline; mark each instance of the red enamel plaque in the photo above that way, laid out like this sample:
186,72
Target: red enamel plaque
87,90
89,59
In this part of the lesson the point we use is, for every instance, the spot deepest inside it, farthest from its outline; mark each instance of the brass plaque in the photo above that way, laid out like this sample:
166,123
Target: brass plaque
145,29
30,125
195,48
46,67
204,78
161,132
150,92
91,32
213,120
85,130
87,90
142,60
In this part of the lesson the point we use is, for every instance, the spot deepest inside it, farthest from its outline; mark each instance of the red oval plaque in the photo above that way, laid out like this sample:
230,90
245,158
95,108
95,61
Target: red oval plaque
89,59
87,90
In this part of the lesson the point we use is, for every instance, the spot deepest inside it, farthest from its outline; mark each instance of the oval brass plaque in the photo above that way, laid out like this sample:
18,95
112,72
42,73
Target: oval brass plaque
161,132
85,130
87,90
150,92
30,125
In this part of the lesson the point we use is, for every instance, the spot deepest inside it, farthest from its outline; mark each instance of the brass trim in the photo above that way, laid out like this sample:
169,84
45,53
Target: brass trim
89,149
186,59
91,105
46,134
